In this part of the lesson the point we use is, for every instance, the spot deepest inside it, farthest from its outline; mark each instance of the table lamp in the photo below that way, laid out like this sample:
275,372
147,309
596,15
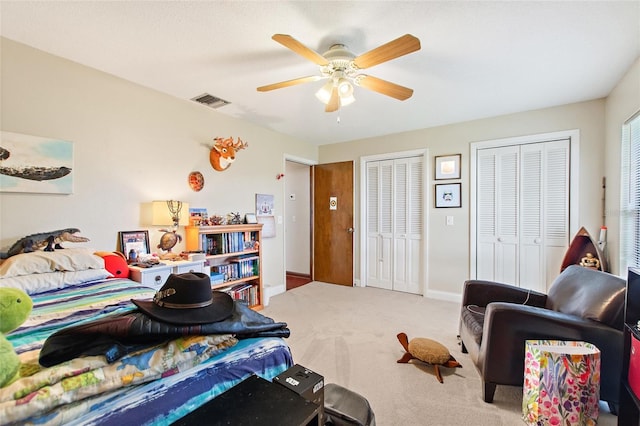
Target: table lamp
173,213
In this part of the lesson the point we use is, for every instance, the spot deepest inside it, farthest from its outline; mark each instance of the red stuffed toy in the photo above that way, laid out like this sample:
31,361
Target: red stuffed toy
115,263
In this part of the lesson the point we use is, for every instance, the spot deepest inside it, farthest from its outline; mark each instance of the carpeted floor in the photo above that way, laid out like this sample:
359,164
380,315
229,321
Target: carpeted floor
348,335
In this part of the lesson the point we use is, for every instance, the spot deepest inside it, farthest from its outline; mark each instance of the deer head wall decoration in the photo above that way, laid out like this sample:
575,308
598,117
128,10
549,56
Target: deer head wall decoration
223,152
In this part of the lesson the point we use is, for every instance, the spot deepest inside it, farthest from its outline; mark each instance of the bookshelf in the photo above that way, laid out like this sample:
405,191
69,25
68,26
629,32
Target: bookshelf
234,258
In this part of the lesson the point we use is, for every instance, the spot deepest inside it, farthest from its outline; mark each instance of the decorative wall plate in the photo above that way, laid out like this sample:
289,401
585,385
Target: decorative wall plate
196,181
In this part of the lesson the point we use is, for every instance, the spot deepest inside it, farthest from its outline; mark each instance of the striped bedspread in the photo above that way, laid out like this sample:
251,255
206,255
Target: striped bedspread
155,386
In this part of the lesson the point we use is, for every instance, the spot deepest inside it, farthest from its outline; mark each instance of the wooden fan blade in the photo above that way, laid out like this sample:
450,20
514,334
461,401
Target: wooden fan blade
394,49
288,83
384,87
302,50
334,101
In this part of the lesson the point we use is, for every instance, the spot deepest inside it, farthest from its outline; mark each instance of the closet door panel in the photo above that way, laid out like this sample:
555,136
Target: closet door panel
507,211
532,258
386,224
556,201
497,210
415,222
408,202
378,228
401,250
486,215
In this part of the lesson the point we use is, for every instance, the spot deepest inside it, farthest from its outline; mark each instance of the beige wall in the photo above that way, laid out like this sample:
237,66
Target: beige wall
622,103
132,145
448,246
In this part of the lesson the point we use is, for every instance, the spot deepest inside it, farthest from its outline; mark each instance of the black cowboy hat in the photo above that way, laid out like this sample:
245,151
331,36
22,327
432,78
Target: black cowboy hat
187,299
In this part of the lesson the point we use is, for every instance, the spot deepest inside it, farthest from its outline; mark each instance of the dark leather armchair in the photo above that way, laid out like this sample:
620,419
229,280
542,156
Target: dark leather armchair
582,304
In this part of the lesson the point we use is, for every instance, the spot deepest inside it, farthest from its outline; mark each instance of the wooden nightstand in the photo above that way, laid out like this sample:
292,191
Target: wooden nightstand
156,276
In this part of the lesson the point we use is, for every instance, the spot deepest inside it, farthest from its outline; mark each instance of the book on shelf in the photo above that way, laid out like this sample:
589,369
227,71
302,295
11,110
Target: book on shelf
216,278
238,268
246,292
227,242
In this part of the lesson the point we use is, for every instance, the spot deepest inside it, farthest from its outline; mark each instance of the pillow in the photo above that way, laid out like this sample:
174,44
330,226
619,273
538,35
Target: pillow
37,283
38,262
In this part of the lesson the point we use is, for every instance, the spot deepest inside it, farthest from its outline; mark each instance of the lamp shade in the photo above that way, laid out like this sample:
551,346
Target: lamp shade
161,216
324,94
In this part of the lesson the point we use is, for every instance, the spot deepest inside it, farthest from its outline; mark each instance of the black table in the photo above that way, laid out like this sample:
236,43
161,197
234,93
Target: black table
255,402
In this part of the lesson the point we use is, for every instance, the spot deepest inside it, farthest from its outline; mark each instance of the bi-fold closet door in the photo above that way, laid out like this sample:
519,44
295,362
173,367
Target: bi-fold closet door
394,224
522,208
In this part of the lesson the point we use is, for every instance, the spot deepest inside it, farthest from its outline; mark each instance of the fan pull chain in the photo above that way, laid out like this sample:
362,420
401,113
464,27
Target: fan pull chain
338,120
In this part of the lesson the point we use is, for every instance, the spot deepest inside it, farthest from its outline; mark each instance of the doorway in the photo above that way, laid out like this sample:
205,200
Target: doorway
318,232
297,224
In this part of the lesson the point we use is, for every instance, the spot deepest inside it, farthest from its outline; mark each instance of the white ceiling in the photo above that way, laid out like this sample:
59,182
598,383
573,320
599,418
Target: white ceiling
478,58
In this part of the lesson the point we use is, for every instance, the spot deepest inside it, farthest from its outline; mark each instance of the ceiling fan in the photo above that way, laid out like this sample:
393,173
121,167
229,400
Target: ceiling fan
341,68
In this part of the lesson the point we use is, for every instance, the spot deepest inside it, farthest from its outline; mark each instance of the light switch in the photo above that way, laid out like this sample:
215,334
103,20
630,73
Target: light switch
449,220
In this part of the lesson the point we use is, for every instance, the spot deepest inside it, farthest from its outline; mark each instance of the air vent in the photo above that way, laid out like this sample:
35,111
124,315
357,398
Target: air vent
210,100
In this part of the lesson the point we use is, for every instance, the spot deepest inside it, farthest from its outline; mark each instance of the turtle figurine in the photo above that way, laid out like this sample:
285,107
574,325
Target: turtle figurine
428,351
169,239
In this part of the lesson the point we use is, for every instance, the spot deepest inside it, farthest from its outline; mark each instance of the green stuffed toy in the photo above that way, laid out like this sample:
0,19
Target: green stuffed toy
15,307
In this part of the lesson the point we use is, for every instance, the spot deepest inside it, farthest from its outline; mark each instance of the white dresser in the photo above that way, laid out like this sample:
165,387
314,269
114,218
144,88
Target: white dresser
156,276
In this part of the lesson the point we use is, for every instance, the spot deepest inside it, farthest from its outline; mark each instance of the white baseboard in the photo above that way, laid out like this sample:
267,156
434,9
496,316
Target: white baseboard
272,291
444,295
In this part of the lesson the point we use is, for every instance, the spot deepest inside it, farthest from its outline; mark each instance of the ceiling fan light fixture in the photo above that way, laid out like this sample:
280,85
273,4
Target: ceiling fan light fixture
345,91
341,67
324,94
345,88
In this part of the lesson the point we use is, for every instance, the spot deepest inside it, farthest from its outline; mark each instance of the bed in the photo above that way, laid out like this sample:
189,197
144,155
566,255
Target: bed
156,385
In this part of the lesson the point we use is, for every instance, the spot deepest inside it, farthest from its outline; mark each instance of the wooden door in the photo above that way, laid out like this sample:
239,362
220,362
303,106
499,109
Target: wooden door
333,223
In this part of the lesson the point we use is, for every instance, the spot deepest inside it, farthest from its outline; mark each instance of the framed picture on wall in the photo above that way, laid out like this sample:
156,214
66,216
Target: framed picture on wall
448,195
448,166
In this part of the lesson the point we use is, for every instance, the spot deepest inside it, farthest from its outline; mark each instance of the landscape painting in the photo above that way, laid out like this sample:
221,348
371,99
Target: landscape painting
35,164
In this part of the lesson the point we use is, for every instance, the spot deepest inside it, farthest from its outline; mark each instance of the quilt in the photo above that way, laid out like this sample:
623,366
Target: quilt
155,385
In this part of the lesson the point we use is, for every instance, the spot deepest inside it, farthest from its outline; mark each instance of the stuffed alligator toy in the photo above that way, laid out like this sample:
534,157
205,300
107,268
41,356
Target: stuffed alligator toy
49,240
15,307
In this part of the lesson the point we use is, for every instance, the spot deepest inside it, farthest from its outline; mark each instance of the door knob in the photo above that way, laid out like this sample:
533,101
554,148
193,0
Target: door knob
350,230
